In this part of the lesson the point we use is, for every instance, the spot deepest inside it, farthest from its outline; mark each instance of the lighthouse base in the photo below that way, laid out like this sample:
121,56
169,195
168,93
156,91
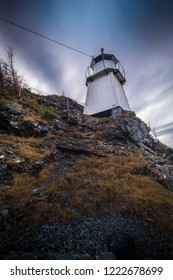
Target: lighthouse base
111,112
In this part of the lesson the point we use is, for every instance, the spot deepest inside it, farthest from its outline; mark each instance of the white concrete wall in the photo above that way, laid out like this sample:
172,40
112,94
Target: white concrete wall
120,93
103,94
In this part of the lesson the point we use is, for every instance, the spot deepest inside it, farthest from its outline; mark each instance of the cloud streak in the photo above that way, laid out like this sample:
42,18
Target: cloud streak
139,33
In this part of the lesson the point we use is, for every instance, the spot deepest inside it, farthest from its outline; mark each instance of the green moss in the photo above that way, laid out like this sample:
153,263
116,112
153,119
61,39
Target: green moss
47,113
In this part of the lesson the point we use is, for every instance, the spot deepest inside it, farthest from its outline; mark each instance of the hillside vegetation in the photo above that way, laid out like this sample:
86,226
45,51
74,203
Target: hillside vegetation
59,166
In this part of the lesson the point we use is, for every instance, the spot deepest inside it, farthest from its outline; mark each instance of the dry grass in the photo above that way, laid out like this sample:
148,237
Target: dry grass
34,117
94,186
24,202
12,139
19,194
29,148
32,154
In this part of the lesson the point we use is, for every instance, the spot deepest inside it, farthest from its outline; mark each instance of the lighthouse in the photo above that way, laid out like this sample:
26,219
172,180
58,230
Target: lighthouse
105,78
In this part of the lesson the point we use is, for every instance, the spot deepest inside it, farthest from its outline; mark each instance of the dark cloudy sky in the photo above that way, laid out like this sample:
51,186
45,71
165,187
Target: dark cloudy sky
138,32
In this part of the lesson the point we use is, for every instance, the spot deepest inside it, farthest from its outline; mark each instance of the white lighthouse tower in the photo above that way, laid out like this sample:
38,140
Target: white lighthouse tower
105,78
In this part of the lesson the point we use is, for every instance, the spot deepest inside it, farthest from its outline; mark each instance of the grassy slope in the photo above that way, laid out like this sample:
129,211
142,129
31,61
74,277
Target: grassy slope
93,186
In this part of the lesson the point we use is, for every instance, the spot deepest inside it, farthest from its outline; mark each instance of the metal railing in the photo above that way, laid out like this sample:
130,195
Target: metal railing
118,66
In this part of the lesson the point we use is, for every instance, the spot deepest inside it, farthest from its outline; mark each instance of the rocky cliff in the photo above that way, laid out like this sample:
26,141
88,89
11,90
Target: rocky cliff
78,187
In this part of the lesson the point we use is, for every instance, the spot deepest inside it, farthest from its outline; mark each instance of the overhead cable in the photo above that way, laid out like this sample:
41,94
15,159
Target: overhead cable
43,36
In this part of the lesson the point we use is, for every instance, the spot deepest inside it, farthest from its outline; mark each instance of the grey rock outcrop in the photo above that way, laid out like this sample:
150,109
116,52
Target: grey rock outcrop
14,120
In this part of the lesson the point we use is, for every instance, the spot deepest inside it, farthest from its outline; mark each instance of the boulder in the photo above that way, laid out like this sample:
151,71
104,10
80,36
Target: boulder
75,117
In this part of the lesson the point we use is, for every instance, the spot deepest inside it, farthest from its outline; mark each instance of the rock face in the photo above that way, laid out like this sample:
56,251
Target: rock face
15,121
80,187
